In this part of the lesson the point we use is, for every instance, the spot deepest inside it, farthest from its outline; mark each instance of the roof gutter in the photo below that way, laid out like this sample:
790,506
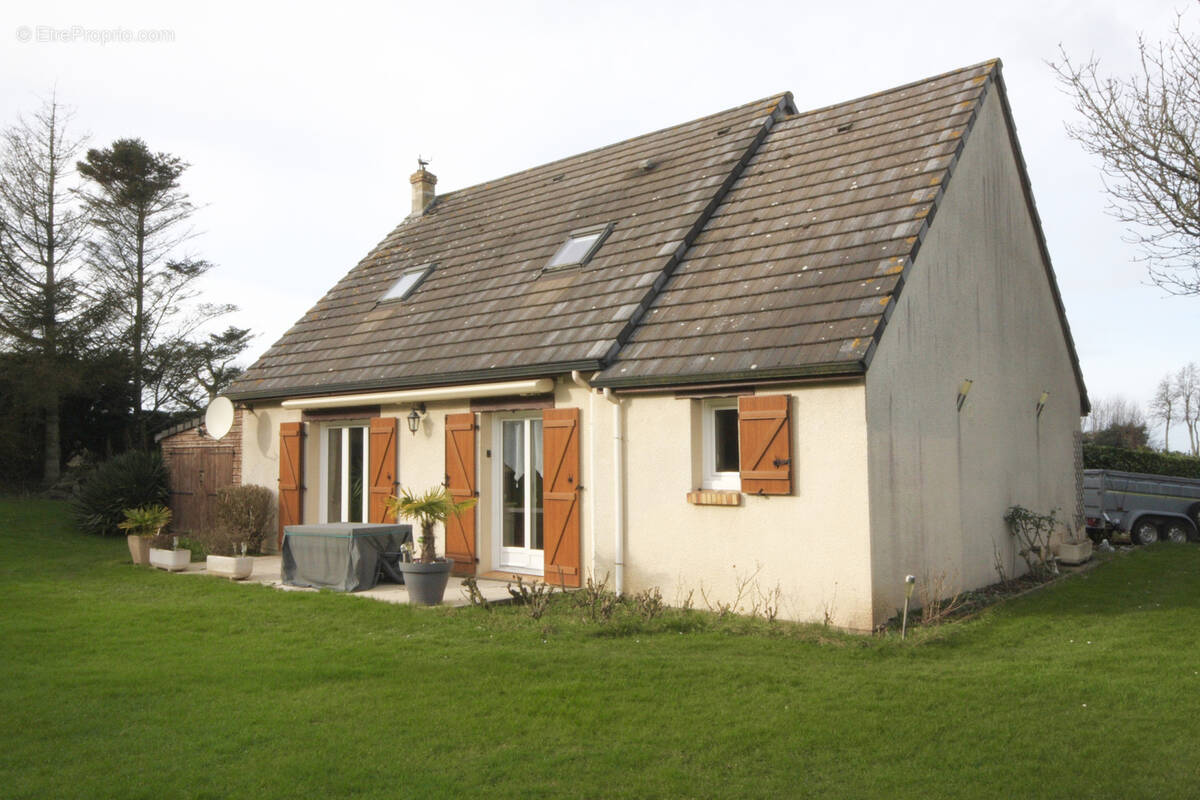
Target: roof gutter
247,391
836,370
539,386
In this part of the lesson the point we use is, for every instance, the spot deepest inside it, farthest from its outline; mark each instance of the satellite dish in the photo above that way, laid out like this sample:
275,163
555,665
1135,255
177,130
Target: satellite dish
219,417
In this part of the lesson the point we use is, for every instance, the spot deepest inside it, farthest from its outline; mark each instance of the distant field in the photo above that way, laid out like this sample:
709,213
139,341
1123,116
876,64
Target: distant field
118,681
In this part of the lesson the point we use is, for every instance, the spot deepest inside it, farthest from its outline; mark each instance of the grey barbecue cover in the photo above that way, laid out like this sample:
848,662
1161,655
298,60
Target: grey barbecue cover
339,556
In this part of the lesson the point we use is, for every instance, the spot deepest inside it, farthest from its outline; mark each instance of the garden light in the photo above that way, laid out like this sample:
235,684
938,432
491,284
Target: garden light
910,581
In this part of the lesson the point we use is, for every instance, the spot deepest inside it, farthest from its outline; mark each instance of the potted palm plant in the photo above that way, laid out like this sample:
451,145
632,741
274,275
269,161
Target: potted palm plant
147,523
143,524
426,575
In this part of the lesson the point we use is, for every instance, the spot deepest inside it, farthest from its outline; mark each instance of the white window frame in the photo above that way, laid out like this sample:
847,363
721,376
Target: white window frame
345,427
601,233
722,481
395,293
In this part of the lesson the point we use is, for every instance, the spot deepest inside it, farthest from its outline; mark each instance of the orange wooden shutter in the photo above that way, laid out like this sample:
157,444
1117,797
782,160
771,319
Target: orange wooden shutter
460,481
560,495
381,453
765,444
291,474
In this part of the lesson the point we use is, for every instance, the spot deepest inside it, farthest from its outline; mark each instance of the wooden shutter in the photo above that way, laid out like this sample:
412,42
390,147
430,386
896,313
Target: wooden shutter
765,444
460,481
560,495
381,455
291,474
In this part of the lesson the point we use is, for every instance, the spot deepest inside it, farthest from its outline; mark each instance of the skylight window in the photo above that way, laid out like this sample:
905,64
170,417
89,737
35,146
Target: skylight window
579,247
408,283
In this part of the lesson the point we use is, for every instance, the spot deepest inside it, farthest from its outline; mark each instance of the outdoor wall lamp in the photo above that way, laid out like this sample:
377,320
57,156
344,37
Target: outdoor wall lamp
962,392
414,418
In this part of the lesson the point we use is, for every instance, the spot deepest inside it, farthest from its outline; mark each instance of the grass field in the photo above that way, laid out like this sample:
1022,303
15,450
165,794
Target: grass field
118,681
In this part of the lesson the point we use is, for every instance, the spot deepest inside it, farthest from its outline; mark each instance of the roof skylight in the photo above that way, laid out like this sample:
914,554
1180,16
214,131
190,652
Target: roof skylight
580,246
408,283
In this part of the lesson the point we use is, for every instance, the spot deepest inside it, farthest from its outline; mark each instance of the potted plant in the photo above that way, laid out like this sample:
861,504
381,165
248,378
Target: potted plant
229,560
150,521
1075,547
426,575
242,516
143,524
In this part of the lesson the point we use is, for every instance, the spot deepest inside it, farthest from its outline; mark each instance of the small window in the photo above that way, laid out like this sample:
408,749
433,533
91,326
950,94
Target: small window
408,283
579,247
721,455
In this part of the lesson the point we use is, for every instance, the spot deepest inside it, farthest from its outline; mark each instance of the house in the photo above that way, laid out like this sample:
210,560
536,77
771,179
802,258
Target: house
763,356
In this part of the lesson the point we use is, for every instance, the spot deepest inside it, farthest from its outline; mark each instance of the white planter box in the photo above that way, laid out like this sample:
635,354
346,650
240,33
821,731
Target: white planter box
233,567
172,560
1074,552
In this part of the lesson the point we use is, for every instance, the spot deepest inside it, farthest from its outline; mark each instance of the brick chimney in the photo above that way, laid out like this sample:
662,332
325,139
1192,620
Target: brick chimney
422,182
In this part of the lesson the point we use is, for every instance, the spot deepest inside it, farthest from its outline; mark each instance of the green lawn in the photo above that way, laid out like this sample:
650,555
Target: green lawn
118,681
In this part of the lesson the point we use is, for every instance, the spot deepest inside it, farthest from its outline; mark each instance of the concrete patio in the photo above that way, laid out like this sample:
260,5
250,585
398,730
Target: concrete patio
267,571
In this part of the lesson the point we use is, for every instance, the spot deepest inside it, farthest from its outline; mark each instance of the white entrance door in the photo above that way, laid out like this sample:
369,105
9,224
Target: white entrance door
517,510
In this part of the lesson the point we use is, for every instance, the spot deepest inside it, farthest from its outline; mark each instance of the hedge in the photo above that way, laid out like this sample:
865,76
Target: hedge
1100,457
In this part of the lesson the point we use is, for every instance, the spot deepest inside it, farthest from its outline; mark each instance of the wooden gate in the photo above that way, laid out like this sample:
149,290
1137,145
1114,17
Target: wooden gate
195,477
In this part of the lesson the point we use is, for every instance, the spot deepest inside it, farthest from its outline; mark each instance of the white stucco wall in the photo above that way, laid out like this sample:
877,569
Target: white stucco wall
421,457
812,545
977,304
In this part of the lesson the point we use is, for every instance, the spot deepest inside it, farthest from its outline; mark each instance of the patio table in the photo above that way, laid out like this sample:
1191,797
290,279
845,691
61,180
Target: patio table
340,556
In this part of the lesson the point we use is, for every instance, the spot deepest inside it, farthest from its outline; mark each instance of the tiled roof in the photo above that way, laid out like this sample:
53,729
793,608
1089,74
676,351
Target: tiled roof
761,243
488,310
799,263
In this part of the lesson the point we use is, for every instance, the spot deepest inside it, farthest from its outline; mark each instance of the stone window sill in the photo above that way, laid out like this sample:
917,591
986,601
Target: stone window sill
713,497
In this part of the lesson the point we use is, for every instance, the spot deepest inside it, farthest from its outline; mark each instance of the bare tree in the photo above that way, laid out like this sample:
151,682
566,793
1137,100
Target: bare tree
1109,412
1146,129
1116,422
45,317
1162,408
1187,393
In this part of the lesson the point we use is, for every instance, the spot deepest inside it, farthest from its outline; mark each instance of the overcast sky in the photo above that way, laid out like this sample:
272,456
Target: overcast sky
303,123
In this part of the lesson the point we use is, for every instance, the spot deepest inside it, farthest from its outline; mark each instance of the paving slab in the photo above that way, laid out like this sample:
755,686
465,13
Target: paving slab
268,571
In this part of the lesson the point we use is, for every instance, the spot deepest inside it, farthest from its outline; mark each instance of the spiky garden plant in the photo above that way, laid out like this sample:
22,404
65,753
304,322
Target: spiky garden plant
146,520
433,506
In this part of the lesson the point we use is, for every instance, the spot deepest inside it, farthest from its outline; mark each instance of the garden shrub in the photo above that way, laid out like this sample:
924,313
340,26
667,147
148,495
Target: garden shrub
129,480
241,514
1033,532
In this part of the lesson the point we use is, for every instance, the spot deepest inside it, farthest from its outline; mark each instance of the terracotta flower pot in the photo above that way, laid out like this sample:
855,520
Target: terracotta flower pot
139,548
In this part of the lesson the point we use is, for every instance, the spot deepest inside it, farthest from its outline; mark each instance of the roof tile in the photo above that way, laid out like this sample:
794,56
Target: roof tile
761,241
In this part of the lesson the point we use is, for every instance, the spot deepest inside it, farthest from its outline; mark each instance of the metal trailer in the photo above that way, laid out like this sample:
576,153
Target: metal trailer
1147,507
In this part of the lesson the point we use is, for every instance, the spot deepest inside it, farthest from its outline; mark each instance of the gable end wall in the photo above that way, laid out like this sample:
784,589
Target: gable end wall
977,304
